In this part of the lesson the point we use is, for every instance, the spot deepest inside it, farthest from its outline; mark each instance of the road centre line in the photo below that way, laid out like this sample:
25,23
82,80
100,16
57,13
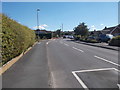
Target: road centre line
48,42
106,60
66,44
78,49
91,70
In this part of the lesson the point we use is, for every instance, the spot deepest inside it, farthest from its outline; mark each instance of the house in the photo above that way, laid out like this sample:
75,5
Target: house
95,33
112,30
43,33
115,31
38,31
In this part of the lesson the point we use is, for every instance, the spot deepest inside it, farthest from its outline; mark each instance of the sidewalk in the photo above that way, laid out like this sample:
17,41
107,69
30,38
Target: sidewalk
102,45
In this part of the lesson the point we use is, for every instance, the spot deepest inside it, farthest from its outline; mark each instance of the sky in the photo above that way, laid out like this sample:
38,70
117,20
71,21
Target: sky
52,15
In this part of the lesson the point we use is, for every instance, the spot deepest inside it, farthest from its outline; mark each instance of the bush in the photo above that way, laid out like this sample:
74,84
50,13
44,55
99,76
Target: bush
92,41
77,37
16,38
115,41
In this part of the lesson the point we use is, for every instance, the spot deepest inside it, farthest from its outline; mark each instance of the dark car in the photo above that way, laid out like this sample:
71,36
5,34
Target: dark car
105,37
91,38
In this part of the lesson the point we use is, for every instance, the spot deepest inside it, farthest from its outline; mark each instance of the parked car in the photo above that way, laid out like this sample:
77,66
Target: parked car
64,36
105,37
68,36
71,37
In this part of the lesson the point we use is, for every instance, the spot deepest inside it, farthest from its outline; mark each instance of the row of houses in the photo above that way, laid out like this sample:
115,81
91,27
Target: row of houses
43,34
115,31
38,31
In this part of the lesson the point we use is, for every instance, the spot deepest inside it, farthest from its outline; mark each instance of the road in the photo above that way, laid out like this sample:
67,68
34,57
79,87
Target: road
62,63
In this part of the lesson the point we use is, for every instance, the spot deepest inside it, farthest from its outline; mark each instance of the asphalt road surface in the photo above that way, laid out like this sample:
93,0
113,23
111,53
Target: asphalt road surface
62,63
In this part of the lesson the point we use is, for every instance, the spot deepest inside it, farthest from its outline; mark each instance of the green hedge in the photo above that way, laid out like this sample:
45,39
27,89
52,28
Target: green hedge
115,41
16,38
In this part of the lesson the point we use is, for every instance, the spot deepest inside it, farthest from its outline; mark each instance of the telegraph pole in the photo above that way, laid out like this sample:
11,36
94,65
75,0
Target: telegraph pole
62,29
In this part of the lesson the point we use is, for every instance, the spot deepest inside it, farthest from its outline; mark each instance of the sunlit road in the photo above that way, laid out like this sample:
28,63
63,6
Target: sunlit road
62,63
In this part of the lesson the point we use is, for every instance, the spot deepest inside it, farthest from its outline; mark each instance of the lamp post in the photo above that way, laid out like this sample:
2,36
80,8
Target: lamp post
62,29
38,19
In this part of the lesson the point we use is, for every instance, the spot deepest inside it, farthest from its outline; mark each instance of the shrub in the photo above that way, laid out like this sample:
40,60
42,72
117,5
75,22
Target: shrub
115,41
16,38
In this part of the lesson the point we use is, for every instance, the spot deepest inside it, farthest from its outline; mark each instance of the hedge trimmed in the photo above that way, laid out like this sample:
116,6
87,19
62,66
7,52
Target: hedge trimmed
16,38
115,41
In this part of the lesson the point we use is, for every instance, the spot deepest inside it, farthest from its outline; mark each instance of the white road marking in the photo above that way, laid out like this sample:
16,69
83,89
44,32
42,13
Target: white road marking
107,61
91,70
78,49
80,81
66,44
39,43
118,86
48,42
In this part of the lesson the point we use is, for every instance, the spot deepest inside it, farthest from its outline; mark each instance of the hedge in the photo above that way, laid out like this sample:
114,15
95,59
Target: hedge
115,41
16,38
45,35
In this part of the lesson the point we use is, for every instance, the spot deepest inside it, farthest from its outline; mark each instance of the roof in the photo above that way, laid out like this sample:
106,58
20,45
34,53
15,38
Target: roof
111,29
42,31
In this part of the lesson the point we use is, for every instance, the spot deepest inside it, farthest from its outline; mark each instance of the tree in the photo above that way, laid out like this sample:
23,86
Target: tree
81,29
58,32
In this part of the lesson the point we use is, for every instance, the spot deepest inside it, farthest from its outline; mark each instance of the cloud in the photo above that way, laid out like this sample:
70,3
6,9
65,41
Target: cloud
41,26
101,24
44,25
93,27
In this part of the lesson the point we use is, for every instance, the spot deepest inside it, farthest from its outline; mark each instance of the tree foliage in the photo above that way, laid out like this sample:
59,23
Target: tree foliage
57,33
16,38
81,29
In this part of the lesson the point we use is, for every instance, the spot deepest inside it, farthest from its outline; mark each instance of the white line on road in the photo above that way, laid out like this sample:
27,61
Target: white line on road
78,49
39,43
107,60
66,44
91,70
48,42
118,86
96,70
80,81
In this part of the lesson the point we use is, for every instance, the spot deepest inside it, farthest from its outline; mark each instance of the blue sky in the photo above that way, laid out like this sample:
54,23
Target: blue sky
96,15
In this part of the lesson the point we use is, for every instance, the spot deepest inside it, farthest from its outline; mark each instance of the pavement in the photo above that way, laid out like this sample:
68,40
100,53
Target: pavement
61,63
101,45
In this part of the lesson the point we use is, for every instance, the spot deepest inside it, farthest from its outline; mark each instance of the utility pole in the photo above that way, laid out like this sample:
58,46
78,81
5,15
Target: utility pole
62,29
38,19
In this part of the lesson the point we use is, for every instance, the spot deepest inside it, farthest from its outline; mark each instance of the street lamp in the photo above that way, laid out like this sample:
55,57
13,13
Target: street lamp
38,19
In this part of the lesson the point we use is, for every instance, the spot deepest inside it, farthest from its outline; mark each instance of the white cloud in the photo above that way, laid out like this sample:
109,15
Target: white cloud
41,26
93,27
101,24
44,25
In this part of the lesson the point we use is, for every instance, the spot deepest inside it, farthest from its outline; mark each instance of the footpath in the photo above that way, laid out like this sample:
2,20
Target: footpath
101,45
